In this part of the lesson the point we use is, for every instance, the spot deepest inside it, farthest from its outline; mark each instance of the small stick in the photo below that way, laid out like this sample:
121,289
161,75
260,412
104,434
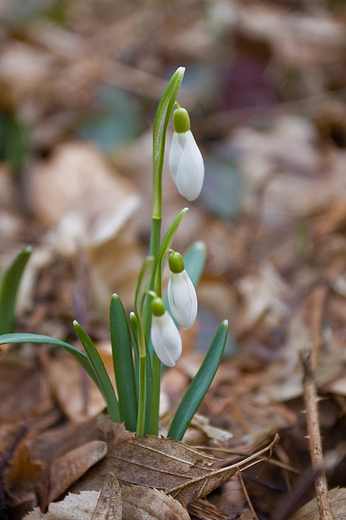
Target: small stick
246,494
314,433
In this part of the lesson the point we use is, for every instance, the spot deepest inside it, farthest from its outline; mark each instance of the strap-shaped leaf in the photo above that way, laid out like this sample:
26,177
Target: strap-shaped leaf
9,288
47,340
194,260
134,331
199,385
104,382
123,364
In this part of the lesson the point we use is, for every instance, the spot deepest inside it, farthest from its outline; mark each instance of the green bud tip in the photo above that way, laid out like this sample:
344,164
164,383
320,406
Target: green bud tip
176,263
181,120
157,307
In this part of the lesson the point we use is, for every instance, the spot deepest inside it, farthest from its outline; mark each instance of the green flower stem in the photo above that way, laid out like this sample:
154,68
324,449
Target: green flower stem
163,114
155,396
142,384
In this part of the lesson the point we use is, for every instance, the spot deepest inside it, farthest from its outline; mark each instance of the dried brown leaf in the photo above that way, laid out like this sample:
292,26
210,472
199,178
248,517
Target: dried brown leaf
79,399
73,507
86,204
71,466
109,505
201,486
24,391
264,295
163,464
338,502
138,503
143,503
150,461
74,191
26,477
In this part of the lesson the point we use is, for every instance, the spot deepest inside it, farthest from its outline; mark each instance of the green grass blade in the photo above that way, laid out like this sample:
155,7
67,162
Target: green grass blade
199,385
39,339
9,289
104,382
123,364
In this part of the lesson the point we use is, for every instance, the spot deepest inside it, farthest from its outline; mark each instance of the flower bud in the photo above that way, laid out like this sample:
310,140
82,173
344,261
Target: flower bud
182,296
185,160
165,336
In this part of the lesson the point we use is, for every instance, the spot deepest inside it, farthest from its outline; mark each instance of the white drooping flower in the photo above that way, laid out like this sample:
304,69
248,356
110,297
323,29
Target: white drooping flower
165,336
182,296
185,159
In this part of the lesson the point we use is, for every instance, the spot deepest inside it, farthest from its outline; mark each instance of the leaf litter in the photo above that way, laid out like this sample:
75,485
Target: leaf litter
274,106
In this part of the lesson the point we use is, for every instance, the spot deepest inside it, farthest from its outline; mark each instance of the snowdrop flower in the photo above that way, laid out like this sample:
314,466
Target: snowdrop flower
181,292
185,160
165,336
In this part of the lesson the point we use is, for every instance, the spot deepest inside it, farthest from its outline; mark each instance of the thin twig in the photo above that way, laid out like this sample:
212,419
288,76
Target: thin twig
246,494
315,442
238,453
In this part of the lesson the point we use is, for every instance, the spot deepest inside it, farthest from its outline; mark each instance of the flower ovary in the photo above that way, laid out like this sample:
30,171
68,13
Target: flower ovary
181,120
157,307
176,263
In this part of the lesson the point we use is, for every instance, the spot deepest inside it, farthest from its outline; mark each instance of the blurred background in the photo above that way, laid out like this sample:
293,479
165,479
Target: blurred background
80,81
265,86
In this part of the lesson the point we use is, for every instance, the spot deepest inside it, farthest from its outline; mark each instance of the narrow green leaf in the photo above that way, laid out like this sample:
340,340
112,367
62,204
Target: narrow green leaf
199,385
9,289
123,364
194,261
39,339
104,382
134,330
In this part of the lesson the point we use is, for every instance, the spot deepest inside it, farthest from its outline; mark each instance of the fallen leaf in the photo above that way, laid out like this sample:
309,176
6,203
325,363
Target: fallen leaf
143,503
73,507
77,395
26,477
264,296
85,204
71,466
151,461
74,191
109,505
37,470
171,466
338,502
138,503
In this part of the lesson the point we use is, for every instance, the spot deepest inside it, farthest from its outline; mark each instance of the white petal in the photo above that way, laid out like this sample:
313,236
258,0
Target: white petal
182,299
186,165
166,339
176,152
